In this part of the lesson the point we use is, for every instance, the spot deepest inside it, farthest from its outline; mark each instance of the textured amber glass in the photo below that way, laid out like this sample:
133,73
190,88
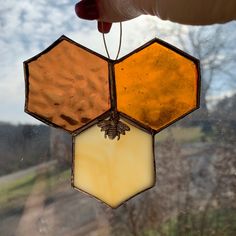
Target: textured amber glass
67,86
156,86
111,170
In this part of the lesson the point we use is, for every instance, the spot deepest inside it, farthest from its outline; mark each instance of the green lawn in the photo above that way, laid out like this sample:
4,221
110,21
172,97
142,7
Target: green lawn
218,222
181,134
14,193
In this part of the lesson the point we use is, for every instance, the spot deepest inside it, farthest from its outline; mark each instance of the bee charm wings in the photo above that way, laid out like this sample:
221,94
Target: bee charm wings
113,127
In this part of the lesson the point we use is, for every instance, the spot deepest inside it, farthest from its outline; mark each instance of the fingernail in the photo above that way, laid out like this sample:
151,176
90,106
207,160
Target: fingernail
104,27
87,9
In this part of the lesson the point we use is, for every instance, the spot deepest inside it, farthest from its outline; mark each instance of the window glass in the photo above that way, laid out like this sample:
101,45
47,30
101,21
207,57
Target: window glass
195,191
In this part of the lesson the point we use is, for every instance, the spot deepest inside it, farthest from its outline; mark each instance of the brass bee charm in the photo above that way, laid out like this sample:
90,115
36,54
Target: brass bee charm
113,127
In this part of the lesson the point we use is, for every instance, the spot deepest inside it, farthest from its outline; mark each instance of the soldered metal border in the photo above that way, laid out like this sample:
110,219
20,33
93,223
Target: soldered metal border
181,53
133,121
27,82
94,197
113,101
112,84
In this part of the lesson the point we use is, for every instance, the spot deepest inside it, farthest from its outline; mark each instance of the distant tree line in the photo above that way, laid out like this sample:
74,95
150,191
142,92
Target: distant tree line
22,146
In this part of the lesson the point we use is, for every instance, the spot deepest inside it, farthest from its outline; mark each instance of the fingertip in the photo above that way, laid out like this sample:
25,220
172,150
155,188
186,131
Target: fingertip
87,9
104,27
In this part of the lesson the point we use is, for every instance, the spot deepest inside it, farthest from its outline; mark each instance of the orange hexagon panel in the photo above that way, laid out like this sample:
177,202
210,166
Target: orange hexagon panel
67,85
157,84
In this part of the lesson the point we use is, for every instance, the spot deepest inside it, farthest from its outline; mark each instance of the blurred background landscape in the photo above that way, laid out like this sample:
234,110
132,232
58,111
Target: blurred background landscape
195,192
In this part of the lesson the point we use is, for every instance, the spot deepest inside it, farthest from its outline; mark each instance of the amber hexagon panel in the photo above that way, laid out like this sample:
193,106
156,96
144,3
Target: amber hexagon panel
157,85
113,170
67,85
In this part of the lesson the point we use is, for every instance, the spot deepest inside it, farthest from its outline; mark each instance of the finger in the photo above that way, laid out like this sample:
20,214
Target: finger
104,27
117,10
87,9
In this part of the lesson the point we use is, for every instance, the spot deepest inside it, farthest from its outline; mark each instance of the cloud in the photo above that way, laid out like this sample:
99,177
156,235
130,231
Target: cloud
28,27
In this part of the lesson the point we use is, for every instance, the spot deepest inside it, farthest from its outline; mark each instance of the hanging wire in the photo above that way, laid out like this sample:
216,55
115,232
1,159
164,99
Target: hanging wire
105,44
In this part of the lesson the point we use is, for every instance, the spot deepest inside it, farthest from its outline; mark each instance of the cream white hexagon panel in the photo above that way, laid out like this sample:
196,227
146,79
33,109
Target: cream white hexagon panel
113,170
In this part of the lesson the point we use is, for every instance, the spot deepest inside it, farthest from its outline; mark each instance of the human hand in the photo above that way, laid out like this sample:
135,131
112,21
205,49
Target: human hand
191,12
109,11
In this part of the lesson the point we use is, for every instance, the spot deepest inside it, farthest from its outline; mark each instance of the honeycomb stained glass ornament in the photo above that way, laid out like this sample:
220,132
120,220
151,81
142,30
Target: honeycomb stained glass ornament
112,108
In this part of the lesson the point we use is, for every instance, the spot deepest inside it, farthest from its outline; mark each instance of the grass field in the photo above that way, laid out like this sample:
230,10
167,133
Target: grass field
181,134
14,193
218,222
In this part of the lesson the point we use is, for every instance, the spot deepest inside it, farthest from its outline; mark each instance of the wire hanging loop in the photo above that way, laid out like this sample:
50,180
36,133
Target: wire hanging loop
105,44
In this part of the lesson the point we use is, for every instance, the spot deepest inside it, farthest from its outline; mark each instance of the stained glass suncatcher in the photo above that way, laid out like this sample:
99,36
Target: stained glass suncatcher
112,108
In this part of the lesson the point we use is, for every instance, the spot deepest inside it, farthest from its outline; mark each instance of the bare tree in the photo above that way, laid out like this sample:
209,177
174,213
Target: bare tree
175,195
150,210
215,47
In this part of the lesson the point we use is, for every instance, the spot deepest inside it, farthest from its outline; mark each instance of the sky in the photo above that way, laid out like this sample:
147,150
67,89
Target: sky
29,26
